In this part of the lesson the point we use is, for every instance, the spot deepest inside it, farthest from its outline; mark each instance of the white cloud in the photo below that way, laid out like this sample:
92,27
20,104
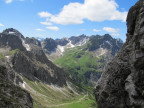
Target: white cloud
39,29
115,34
1,25
95,30
110,30
93,10
46,23
8,1
44,14
54,28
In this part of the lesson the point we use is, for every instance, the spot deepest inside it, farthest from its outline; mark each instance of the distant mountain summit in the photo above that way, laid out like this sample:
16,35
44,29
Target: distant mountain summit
79,40
57,48
13,39
87,57
11,31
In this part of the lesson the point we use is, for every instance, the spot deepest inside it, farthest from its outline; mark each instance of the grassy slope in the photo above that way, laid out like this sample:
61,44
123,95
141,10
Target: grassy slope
77,62
13,51
45,96
9,53
1,56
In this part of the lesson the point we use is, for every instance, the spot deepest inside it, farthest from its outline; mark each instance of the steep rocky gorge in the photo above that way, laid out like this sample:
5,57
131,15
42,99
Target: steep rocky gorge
122,85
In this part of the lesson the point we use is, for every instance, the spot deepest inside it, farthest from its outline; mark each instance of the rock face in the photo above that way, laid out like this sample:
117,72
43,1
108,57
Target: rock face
62,42
122,85
36,66
77,39
49,44
12,96
105,42
33,41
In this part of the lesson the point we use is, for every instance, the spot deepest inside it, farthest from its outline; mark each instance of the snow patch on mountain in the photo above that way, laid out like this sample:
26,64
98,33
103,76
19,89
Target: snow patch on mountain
100,52
24,86
60,49
26,45
10,32
7,57
82,42
108,43
70,45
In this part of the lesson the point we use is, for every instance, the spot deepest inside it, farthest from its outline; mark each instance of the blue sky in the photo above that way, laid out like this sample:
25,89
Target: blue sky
65,18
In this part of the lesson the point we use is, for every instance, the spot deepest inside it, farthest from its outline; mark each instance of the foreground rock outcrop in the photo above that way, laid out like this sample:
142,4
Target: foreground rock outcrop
122,84
12,96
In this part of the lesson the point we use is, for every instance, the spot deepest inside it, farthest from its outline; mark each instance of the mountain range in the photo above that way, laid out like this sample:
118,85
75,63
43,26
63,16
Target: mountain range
67,66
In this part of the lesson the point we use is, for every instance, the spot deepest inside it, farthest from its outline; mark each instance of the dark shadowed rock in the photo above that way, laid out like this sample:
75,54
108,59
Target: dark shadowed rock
13,39
11,31
62,42
33,41
105,42
122,85
36,66
49,44
76,39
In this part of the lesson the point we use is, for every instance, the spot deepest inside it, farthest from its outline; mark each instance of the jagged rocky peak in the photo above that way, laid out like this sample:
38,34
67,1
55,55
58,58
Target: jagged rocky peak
119,40
49,44
11,31
13,39
78,39
107,37
62,42
40,39
121,85
104,42
33,41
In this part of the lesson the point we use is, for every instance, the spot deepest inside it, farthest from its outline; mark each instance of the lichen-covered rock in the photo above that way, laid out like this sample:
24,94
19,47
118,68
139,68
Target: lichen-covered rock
122,84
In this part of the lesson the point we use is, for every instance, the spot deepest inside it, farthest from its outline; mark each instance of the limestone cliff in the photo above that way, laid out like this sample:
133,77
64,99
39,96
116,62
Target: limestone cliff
122,84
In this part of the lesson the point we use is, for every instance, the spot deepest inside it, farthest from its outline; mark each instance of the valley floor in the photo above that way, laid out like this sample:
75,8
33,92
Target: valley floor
84,102
46,96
